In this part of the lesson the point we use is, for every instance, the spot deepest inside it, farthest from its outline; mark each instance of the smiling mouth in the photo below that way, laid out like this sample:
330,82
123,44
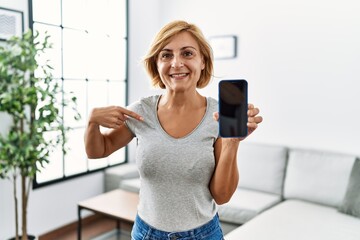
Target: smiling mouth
179,75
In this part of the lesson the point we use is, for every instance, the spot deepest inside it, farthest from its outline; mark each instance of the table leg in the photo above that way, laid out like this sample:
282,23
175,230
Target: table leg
118,229
79,223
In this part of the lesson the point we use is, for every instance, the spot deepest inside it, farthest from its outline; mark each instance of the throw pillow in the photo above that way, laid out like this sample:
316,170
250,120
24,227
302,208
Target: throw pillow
351,202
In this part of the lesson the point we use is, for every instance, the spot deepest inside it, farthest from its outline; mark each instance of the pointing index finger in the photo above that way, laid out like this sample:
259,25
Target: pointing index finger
132,114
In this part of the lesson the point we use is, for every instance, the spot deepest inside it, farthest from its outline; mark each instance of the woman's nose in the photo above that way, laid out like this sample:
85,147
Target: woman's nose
176,62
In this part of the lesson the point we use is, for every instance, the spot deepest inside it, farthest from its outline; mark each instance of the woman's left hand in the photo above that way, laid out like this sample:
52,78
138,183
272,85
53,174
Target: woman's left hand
253,119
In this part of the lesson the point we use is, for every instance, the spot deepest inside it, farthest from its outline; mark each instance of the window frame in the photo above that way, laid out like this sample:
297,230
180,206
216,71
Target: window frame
126,88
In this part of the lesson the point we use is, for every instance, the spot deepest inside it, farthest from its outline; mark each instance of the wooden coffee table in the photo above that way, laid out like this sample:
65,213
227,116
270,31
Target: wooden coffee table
118,204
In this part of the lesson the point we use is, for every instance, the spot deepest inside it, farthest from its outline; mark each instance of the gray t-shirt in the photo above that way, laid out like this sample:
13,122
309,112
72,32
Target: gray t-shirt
175,172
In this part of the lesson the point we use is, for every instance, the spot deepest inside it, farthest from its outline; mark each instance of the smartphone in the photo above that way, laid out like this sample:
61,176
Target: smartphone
233,107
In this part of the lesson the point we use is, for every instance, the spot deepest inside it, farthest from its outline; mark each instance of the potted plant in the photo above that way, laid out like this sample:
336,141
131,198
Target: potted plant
34,104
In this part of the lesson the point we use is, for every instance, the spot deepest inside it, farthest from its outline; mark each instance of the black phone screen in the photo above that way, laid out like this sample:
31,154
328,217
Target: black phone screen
233,107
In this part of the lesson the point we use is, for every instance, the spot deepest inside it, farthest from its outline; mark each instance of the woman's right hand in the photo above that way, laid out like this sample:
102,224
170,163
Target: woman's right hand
112,116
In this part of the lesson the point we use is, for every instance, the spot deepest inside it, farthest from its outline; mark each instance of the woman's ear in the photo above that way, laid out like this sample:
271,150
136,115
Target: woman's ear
202,63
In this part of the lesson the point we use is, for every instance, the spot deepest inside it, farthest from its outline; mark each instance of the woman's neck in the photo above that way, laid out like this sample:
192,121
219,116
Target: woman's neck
181,101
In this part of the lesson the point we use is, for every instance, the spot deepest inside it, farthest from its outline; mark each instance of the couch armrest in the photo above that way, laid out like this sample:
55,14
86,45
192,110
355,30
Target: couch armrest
114,175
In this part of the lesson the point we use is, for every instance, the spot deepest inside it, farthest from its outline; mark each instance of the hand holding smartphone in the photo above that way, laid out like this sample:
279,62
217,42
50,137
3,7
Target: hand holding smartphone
233,107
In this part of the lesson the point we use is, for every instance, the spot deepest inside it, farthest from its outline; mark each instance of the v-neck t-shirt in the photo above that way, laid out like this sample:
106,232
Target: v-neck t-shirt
174,172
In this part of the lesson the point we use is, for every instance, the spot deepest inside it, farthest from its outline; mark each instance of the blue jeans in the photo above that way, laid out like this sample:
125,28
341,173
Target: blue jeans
209,231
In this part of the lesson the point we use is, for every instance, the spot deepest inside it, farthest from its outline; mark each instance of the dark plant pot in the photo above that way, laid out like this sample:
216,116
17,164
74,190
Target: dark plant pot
30,237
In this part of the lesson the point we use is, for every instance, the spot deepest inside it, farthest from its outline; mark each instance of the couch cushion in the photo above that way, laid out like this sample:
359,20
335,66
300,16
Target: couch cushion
262,167
246,204
114,175
131,185
351,202
319,177
297,220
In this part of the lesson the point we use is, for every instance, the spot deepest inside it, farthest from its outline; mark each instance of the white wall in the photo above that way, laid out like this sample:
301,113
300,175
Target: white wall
301,59
49,207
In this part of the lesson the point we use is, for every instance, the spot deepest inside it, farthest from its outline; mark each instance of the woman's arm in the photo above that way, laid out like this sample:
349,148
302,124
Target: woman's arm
226,175
99,145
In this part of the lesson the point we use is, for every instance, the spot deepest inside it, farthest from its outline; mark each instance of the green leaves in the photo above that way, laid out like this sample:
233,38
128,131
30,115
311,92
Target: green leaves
34,103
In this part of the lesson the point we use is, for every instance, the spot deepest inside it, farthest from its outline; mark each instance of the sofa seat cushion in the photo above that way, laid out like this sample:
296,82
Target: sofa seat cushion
246,204
131,185
114,175
298,220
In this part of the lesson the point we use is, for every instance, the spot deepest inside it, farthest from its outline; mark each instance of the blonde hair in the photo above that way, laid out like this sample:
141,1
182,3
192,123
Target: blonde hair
163,38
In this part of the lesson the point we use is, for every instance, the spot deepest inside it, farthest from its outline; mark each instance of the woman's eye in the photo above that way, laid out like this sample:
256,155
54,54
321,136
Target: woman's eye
166,55
188,54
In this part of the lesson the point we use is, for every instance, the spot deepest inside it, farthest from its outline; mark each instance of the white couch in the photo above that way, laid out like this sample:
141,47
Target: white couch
314,187
283,193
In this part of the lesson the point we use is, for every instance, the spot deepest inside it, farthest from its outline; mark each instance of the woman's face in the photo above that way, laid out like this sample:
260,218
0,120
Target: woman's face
180,63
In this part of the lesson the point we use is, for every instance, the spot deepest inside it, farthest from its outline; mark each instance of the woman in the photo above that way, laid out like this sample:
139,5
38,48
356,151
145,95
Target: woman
185,168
